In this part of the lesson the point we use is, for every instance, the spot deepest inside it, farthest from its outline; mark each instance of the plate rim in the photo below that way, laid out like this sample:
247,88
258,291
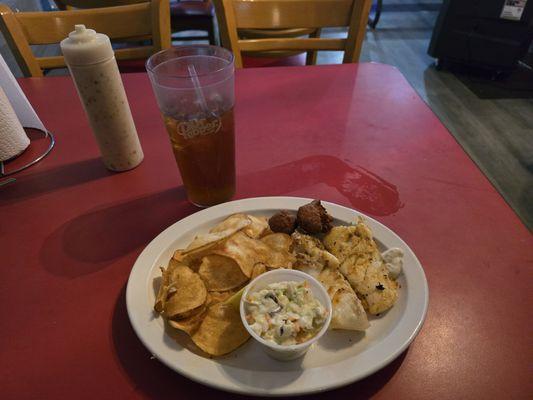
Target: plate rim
233,207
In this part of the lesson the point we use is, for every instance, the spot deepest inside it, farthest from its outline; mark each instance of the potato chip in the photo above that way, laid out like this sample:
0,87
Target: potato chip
193,258
164,287
221,331
234,222
191,324
278,241
280,255
219,297
206,240
163,292
186,292
202,244
215,236
172,265
194,311
245,250
221,273
257,228
258,269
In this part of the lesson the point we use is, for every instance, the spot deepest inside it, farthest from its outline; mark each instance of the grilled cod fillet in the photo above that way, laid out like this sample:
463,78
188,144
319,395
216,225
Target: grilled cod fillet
348,312
312,258
363,266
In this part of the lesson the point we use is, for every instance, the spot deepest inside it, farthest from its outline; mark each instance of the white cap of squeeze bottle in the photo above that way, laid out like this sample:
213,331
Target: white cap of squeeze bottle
85,46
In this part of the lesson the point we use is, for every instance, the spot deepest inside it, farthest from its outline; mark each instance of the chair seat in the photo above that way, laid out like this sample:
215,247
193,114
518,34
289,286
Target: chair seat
192,9
258,62
128,66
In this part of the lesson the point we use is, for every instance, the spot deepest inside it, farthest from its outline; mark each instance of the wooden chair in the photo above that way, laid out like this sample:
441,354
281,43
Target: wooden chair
148,20
286,14
185,15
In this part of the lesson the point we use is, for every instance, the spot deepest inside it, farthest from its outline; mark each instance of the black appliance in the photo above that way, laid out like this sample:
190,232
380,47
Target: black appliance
481,33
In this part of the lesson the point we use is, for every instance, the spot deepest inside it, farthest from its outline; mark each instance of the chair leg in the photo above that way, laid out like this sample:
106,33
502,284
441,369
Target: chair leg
211,34
374,22
310,59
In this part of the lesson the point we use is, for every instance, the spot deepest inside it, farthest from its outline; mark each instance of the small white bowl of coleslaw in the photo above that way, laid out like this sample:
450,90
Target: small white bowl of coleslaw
286,311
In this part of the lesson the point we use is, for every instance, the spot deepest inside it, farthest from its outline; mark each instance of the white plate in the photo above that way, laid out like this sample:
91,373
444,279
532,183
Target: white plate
339,358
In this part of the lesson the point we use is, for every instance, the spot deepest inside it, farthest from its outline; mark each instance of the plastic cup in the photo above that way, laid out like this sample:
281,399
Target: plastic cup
194,88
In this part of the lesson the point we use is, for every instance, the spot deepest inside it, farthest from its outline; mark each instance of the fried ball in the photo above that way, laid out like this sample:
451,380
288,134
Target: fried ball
313,218
282,222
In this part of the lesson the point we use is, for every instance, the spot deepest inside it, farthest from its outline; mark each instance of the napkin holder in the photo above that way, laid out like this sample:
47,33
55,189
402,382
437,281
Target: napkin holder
28,119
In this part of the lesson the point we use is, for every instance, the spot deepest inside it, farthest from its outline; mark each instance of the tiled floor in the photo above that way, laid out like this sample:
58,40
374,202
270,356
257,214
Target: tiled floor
496,133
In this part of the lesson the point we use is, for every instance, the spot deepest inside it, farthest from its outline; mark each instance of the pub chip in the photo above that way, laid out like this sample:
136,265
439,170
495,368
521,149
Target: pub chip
200,278
201,286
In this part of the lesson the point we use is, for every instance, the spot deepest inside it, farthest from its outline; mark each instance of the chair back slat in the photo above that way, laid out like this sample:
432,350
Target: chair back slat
117,23
239,15
291,44
284,14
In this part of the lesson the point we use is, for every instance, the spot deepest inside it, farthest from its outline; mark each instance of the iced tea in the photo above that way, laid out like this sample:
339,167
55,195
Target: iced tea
195,90
205,153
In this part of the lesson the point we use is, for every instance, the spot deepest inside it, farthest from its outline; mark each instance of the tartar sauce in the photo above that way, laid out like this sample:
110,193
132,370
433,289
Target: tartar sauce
285,313
393,258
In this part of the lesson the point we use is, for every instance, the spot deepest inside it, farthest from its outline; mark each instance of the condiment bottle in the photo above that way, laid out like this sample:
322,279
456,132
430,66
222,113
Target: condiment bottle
91,61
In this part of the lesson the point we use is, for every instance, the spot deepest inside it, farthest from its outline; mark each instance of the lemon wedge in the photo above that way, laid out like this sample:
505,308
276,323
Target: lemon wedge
235,300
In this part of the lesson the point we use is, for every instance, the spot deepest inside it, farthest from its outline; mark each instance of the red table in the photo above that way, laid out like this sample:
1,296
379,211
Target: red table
357,135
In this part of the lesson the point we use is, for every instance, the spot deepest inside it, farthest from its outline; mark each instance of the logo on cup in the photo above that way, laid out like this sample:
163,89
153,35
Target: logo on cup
198,127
